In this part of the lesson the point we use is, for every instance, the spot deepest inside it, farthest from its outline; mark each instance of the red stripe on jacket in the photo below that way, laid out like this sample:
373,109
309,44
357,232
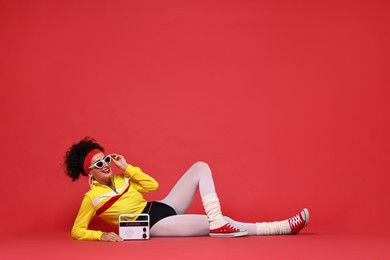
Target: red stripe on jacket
110,202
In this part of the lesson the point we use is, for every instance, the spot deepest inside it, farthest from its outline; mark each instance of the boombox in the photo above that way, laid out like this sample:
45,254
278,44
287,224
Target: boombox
134,226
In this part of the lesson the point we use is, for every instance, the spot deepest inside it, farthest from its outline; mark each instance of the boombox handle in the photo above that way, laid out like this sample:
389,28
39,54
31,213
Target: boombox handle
134,215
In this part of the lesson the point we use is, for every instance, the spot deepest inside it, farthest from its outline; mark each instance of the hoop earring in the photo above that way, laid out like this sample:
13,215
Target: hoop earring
90,180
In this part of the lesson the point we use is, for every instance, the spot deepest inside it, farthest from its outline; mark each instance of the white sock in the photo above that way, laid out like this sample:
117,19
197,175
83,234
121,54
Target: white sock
212,208
273,228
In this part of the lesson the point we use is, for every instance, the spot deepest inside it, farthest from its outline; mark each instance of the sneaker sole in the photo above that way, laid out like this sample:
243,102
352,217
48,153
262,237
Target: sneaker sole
235,234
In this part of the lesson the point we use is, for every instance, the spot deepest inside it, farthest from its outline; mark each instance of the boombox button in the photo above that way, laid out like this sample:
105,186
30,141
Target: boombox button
144,235
144,229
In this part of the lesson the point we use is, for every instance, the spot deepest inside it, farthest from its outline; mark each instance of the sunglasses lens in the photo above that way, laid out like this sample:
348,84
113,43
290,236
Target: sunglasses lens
107,159
99,164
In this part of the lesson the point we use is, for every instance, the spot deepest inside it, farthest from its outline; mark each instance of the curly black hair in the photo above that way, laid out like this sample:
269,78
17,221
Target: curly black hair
75,156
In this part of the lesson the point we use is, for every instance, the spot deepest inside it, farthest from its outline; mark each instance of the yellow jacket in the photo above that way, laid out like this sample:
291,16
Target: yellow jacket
130,201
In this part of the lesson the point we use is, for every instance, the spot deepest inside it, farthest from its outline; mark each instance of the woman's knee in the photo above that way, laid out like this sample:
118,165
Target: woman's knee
201,166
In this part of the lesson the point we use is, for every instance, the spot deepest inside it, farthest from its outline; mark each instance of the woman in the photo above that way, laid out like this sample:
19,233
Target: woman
111,195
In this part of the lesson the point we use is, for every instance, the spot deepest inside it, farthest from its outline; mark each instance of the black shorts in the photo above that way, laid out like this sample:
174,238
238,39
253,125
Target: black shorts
157,211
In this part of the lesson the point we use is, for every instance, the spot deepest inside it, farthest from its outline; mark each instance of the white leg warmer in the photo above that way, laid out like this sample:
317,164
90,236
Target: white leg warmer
273,228
212,208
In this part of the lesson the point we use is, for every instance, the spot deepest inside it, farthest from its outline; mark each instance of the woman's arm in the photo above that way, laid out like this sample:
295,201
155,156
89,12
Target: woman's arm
80,229
141,181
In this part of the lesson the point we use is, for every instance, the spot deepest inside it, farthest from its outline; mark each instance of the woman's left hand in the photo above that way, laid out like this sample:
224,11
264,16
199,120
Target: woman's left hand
119,161
111,237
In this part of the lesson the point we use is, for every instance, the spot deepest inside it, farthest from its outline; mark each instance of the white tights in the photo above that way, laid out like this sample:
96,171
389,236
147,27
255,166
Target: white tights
180,199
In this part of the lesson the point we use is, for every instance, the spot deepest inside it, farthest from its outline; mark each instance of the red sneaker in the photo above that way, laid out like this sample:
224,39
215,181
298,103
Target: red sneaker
299,221
227,230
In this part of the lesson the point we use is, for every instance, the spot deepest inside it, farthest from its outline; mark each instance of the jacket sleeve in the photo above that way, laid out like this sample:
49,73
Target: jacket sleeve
80,229
141,181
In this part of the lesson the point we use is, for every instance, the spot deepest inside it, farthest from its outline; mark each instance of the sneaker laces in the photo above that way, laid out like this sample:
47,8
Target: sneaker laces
296,220
230,226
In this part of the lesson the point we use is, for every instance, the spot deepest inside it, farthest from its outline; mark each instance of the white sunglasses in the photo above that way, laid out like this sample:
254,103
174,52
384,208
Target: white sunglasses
99,164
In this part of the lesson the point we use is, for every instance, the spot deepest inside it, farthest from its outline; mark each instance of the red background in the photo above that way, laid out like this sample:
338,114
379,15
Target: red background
288,102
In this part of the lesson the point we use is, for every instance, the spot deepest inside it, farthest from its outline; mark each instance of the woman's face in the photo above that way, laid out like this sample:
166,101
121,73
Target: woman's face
104,174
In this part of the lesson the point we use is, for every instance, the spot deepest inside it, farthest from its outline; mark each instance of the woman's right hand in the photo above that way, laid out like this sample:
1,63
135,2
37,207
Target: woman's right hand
119,161
111,237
